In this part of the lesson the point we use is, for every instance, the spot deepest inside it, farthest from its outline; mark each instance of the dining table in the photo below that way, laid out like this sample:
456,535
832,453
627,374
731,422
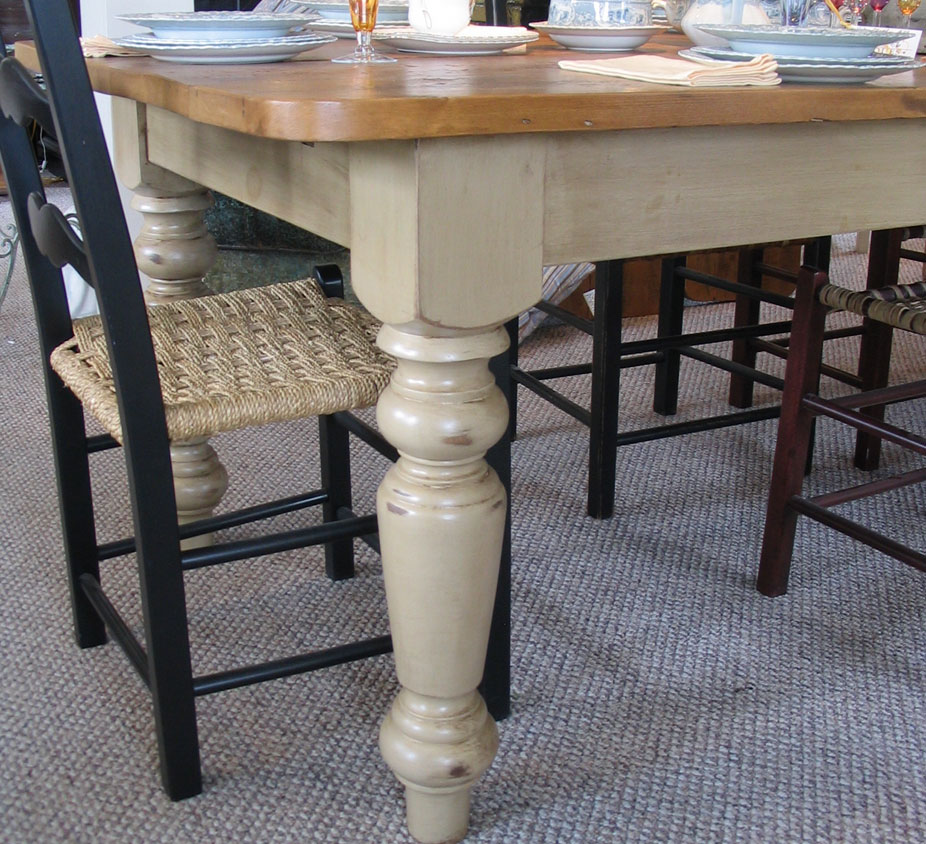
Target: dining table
453,180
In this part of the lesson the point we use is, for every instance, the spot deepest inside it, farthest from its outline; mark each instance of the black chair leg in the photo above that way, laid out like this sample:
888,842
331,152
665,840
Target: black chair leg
875,351
170,673
795,432
496,678
511,392
334,448
72,470
671,315
747,311
605,401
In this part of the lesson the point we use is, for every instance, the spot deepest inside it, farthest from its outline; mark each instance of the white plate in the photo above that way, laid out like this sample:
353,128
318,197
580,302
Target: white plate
813,42
343,29
251,51
728,55
219,26
599,39
389,11
473,41
819,71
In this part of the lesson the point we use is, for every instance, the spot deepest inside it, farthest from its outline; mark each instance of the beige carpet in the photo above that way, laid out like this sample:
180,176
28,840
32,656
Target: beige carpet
657,696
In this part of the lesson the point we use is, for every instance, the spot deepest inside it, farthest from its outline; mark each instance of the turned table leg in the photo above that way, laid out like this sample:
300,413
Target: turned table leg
175,251
441,513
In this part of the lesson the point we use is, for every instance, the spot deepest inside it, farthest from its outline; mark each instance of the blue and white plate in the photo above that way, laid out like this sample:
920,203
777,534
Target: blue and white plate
218,26
210,51
804,42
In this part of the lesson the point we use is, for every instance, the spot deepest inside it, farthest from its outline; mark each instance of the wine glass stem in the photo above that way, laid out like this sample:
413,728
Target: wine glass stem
364,43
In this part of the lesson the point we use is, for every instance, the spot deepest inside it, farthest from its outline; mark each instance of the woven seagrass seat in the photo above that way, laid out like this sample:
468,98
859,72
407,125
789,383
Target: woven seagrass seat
239,359
895,306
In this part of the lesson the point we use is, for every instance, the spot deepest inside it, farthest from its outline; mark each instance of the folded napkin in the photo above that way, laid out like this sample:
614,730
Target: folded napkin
762,70
98,46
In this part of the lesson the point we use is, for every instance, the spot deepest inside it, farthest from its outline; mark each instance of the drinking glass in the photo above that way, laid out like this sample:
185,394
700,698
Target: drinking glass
363,18
856,7
793,12
907,8
877,6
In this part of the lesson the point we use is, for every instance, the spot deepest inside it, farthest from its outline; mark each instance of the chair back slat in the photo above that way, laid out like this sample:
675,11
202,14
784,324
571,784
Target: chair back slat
103,253
55,237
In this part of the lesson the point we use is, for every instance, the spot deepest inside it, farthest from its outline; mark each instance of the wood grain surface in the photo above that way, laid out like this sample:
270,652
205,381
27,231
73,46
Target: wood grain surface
420,96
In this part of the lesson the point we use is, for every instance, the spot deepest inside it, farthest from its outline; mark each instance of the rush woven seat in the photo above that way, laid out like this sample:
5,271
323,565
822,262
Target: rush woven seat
895,306
239,359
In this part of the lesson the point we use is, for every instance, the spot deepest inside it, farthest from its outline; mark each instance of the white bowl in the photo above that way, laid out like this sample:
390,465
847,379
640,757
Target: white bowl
607,13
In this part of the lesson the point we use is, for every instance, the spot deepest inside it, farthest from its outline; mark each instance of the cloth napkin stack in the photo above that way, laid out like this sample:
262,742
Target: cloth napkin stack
762,70
99,46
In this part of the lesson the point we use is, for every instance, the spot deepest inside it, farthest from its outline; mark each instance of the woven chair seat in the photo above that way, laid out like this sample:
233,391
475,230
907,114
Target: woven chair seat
900,305
234,360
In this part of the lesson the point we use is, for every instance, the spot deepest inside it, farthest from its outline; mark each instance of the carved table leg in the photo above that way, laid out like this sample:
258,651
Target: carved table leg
175,251
441,513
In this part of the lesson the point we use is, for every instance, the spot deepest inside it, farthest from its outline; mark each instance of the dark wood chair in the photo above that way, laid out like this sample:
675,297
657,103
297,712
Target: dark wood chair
896,306
172,371
748,335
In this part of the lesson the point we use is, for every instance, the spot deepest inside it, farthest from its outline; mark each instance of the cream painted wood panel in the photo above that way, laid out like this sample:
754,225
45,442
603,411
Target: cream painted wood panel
457,221
305,184
646,192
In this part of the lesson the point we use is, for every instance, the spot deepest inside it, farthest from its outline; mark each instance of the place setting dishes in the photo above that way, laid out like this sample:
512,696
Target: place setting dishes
223,37
819,55
442,27
600,26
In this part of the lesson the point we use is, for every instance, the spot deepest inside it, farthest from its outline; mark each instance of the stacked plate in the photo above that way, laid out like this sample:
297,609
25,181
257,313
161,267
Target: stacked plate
472,41
335,16
223,37
598,39
809,54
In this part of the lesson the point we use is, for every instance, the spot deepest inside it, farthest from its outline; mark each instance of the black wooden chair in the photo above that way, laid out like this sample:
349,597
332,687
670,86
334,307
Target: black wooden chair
748,336
895,306
174,371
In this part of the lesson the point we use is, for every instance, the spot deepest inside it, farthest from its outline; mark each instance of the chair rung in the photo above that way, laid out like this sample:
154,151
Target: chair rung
116,625
568,317
366,433
695,426
854,530
371,539
771,270
734,367
883,395
100,442
224,520
843,496
736,287
274,670
558,400
827,407
228,552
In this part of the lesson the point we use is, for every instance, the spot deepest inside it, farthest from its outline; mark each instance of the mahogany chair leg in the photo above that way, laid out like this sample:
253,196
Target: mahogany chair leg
746,312
671,314
875,352
795,431
606,373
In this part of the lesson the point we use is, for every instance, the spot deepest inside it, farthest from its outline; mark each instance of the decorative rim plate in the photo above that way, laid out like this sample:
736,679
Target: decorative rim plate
218,26
250,51
805,42
472,41
389,11
835,71
728,55
599,39
345,29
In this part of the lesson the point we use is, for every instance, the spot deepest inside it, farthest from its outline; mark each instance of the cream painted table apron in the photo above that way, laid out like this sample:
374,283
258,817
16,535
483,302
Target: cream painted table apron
453,180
